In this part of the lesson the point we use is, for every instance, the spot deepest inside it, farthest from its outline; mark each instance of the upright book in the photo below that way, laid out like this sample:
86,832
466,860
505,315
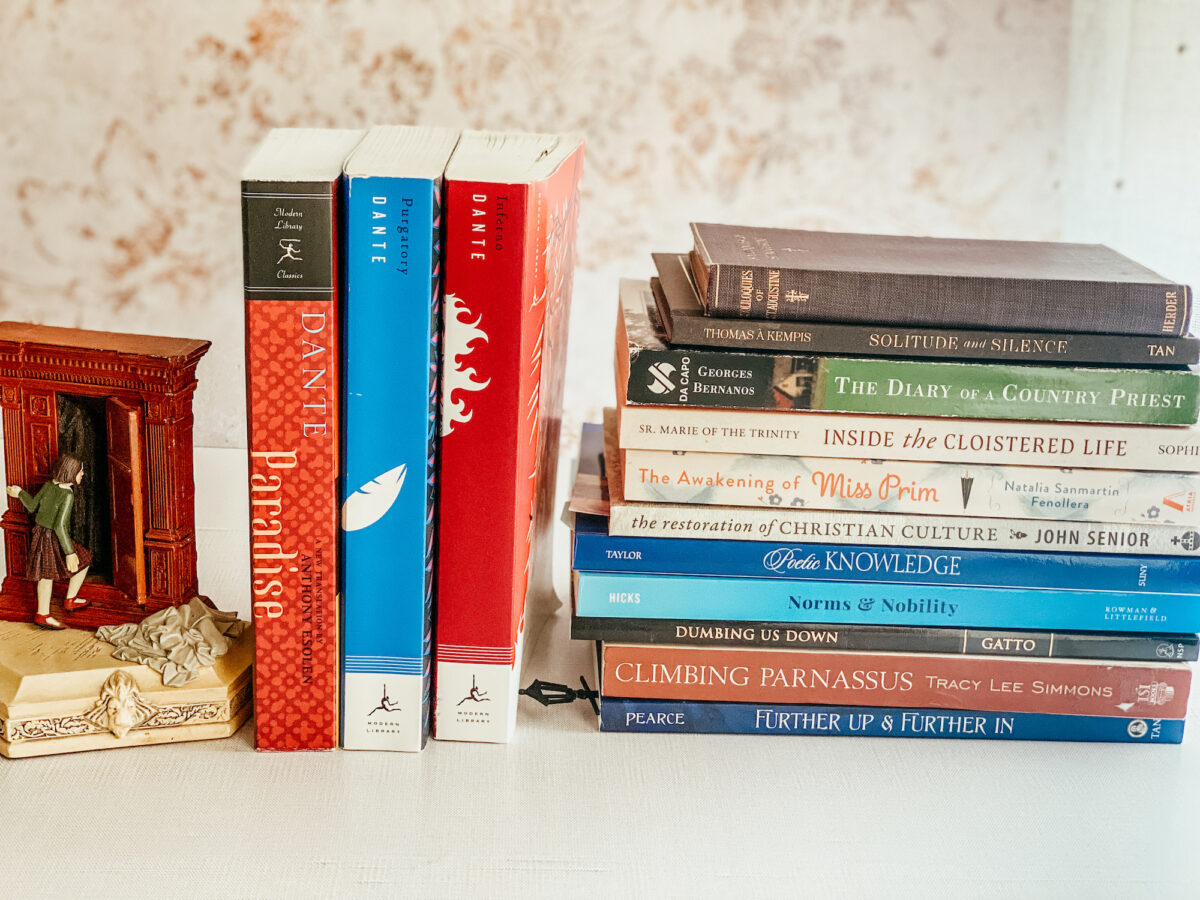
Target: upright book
511,207
686,325
795,275
291,213
391,343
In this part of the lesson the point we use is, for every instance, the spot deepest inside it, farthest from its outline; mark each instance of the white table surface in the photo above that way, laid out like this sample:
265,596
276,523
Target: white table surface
566,811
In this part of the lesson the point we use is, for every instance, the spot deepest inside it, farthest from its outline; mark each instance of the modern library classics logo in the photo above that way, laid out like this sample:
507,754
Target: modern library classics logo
291,251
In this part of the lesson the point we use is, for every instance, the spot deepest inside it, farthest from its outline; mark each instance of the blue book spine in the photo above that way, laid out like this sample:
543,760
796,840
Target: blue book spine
875,721
390,333
596,551
849,603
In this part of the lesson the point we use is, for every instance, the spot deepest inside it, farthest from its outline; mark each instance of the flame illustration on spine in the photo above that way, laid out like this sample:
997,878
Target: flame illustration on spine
457,375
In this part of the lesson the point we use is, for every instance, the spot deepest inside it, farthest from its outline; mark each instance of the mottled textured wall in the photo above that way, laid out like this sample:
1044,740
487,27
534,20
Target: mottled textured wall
126,124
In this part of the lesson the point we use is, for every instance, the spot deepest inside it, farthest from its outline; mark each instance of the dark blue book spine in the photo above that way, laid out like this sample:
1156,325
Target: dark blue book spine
690,717
596,551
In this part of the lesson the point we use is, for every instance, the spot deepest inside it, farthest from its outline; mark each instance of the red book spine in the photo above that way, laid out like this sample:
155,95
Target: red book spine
509,260
487,454
991,683
292,390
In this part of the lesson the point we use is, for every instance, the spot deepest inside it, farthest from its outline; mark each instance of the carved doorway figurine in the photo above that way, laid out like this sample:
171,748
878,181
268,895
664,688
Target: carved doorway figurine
122,404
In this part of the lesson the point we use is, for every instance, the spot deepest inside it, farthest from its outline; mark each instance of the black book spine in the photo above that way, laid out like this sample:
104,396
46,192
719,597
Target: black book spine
800,295
715,378
1045,644
972,345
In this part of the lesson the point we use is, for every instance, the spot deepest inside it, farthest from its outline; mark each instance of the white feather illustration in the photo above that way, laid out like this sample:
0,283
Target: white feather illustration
370,503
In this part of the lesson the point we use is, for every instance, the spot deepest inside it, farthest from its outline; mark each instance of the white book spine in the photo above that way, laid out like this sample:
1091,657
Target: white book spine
890,529
477,699
988,442
1008,492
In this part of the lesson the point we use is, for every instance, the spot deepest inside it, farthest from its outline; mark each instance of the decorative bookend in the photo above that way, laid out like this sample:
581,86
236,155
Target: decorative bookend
63,692
120,405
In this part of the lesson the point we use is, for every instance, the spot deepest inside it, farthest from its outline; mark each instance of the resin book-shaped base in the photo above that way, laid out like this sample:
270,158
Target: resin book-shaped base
62,692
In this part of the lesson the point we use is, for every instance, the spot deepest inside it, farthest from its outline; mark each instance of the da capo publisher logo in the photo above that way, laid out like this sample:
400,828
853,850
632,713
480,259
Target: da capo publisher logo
660,378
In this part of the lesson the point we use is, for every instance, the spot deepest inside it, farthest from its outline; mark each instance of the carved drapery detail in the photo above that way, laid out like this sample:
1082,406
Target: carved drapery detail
121,703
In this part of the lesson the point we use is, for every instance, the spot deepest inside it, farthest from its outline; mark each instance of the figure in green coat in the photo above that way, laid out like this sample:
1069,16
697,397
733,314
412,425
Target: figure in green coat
53,554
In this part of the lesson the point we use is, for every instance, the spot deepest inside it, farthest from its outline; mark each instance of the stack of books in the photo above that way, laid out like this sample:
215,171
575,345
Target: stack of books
871,485
401,457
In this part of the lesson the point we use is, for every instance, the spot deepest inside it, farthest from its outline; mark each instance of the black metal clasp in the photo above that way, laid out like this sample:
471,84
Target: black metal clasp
548,693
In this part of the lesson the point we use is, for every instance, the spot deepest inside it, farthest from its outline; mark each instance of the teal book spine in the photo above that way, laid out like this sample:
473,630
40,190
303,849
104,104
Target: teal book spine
847,602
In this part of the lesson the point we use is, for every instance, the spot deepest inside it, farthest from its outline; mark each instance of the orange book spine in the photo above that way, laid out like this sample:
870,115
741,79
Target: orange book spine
897,679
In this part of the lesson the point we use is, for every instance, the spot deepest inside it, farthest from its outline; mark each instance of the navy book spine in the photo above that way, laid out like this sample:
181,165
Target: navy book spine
596,551
692,717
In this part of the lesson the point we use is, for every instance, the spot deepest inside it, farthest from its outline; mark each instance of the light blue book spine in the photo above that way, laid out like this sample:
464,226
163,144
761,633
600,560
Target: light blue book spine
868,721
390,335
777,600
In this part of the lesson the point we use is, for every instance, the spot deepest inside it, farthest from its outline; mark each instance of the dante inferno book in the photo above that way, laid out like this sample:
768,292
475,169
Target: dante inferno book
291,212
512,203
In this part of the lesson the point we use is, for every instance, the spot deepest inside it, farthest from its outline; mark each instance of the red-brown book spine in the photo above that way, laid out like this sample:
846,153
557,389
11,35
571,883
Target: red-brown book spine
290,251
1085,688
508,262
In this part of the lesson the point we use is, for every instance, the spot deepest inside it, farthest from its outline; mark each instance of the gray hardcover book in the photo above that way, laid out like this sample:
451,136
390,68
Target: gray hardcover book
686,325
817,276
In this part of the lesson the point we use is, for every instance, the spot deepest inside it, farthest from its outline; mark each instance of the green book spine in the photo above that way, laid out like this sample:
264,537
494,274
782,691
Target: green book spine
1007,392
730,380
